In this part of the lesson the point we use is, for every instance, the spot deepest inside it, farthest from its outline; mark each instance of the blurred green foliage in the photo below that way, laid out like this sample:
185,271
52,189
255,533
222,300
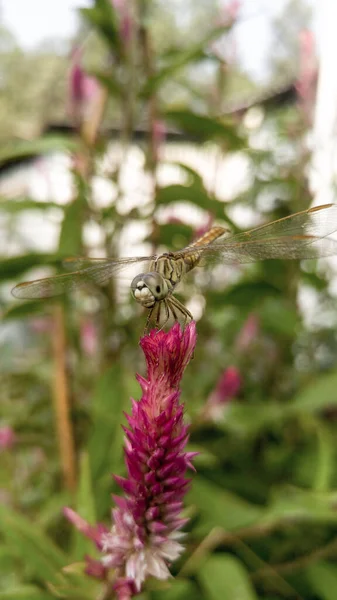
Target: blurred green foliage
262,506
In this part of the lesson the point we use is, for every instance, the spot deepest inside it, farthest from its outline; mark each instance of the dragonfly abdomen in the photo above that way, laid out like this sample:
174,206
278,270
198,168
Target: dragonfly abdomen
209,237
191,259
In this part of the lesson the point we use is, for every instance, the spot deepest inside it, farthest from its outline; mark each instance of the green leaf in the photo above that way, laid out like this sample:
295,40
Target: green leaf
193,175
246,295
106,439
32,546
323,578
179,589
22,310
203,127
175,235
81,587
289,503
180,59
190,193
326,458
248,419
102,17
221,508
19,205
44,145
108,81
223,577
319,395
85,506
278,316
70,243
26,592
11,268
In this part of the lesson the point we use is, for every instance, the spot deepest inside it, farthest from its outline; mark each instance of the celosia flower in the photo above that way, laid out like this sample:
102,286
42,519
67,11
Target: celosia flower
307,78
7,437
248,333
89,337
158,137
126,21
230,11
82,88
227,388
145,537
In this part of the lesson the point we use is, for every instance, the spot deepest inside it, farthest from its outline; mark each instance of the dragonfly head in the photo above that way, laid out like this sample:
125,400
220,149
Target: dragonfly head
149,288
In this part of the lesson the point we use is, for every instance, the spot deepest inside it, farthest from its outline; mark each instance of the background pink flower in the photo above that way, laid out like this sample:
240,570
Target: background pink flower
227,388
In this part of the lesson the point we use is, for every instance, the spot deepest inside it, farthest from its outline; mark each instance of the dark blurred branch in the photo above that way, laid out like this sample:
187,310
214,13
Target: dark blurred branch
329,550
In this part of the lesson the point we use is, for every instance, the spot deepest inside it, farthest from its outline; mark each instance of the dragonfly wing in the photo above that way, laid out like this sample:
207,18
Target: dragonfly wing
299,236
97,274
286,248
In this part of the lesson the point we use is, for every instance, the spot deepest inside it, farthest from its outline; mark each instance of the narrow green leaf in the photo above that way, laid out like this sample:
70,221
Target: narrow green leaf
323,578
19,205
85,506
221,508
223,577
203,127
249,419
32,546
179,589
277,316
326,458
70,243
175,235
12,268
190,193
180,59
289,503
85,496
319,395
102,17
108,81
106,440
246,294
22,310
193,175
26,592
44,145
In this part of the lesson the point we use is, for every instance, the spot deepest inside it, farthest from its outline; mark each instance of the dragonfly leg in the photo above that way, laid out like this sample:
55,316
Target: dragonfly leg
157,321
148,320
167,313
153,317
177,306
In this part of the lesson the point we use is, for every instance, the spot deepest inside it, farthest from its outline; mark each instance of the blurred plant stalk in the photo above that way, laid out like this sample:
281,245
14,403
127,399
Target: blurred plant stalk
61,401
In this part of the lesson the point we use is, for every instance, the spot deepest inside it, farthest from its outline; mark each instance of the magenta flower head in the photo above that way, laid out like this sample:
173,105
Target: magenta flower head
226,389
7,438
82,88
145,537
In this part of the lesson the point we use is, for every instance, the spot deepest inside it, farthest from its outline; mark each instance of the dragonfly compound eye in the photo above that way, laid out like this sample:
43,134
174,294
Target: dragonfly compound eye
148,288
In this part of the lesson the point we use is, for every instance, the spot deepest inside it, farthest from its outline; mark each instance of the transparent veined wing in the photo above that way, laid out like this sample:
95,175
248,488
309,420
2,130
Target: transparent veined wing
299,236
100,271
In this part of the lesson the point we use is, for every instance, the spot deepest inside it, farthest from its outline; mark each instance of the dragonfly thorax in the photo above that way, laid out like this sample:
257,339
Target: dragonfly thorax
149,288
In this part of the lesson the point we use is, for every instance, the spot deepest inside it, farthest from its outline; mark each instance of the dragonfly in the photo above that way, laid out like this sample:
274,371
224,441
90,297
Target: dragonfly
302,235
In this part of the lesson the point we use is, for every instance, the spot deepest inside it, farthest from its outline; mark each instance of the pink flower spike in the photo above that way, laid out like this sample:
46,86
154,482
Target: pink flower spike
7,438
145,537
158,136
227,388
82,89
248,333
92,532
